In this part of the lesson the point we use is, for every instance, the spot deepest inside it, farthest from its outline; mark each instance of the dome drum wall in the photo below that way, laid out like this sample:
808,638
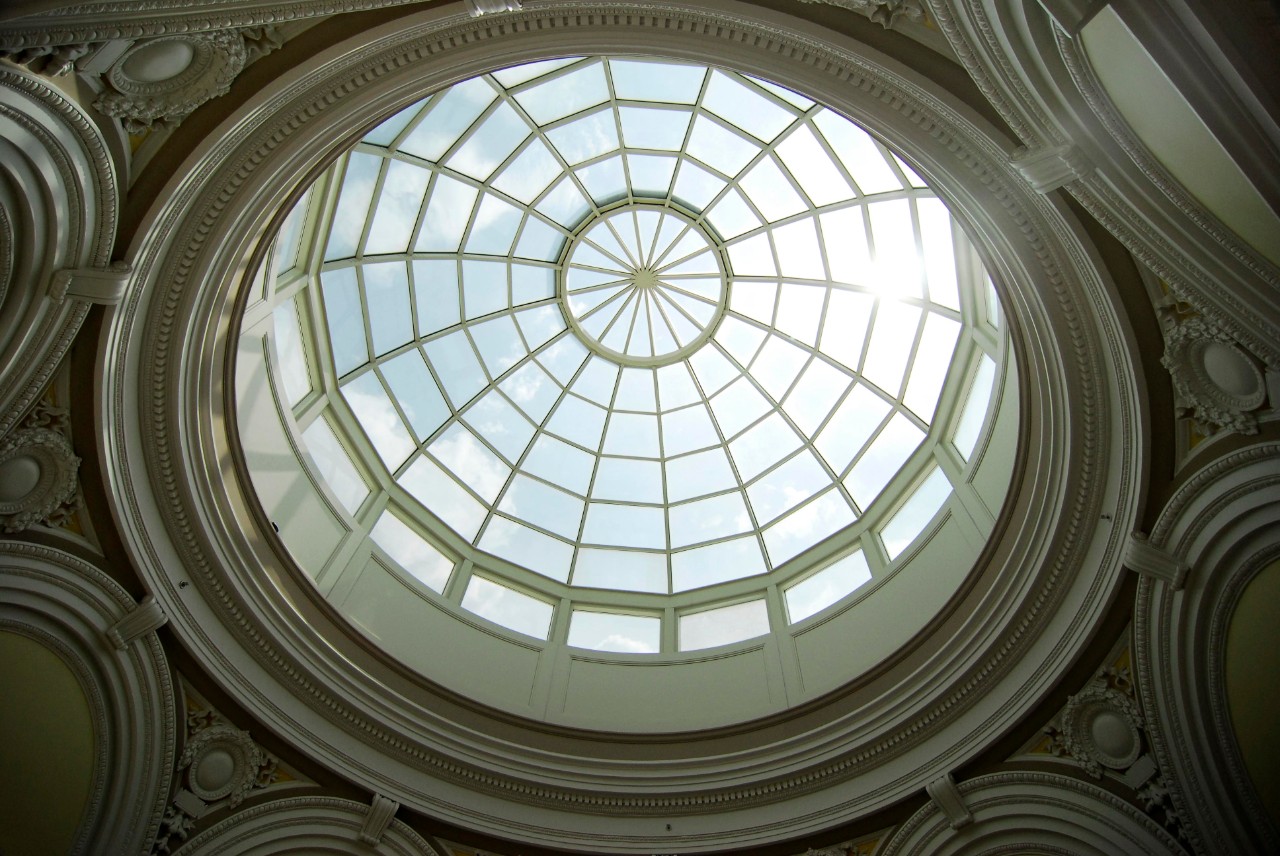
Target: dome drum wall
286,655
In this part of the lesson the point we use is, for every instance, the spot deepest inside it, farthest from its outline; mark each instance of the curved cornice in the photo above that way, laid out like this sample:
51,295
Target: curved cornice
1042,591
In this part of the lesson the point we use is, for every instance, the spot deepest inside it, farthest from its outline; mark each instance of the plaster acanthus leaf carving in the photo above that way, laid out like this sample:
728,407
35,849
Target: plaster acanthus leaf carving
1215,382
884,12
155,79
1103,730
219,766
38,471
139,99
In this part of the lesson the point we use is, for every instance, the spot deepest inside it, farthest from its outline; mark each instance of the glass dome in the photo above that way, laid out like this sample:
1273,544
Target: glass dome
632,354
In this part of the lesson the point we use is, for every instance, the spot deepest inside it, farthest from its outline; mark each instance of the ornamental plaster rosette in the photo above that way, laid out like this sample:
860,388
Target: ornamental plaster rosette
1100,727
37,474
165,79
1216,383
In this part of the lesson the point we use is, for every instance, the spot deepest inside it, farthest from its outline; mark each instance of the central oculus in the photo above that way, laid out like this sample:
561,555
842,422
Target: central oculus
643,285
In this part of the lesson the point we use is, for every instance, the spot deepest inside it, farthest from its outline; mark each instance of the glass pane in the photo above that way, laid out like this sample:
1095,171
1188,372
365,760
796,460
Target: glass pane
611,631
287,244
510,608
787,486
544,507
917,511
557,97
625,570
456,365
528,548
723,626
447,216
833,583
974,413
585,137
626,480
699,474
379,419
490,144
708,519
386,292
471,461
851,426
444,497
346,319
882,460
806,526
559,463
412,552
396,211
749,110
416,391
449,115
656,81
716,563
295,373
352,209
624,526
335,465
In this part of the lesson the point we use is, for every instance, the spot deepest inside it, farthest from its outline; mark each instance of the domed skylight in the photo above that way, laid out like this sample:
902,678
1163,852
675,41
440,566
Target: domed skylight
595,333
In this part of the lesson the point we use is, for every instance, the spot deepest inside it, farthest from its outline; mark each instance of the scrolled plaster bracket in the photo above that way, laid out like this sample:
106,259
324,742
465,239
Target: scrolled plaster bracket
93,285
946,796
1145,558
1048,168
147,617
381,812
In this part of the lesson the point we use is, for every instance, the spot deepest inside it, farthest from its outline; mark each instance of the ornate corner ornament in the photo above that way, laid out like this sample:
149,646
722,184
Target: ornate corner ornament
1103,730
166,79
219,767
38,472
154,80
886,13
1215,382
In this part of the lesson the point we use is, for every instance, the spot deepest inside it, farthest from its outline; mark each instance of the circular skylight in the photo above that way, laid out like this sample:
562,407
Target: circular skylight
593,333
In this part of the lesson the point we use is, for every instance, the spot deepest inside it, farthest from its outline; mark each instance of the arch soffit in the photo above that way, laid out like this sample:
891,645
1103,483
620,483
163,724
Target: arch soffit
1224,523
69,606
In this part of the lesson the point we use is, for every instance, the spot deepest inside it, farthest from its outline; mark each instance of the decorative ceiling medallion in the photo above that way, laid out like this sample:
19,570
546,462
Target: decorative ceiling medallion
165,79
37,475
1215,381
